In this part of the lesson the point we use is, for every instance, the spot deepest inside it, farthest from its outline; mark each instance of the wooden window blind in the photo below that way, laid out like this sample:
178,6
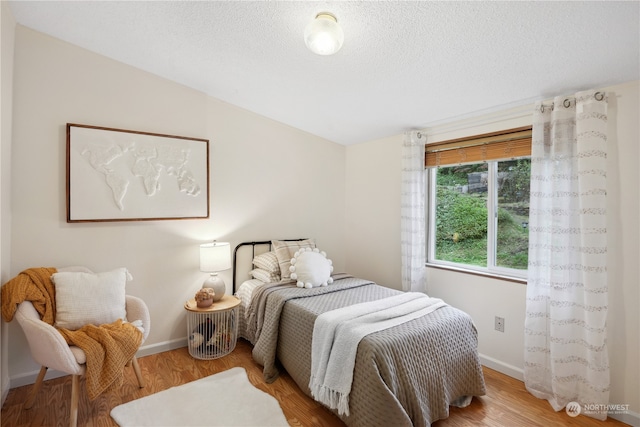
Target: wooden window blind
506,144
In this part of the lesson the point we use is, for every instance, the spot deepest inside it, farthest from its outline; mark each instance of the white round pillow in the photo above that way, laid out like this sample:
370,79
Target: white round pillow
310,268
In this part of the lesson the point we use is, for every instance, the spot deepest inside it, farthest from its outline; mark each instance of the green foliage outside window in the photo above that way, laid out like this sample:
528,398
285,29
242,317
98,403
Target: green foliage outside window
461,218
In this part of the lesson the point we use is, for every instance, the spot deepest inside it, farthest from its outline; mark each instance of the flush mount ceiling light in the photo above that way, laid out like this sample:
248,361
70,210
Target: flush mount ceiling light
323,35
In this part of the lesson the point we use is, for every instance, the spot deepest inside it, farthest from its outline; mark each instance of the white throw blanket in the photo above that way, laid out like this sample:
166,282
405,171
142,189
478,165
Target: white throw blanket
337,333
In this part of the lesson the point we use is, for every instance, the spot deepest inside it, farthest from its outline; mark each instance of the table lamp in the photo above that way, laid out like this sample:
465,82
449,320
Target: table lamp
215,257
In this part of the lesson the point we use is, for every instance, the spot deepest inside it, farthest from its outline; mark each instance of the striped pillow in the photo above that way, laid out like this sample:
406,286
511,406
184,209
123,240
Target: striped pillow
267,261
264,275
285,249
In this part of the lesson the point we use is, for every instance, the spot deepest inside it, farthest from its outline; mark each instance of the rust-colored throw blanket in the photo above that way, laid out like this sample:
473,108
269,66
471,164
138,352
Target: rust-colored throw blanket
33,285
108,347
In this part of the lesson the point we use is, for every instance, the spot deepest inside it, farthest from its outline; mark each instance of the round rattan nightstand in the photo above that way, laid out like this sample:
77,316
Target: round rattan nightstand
212,332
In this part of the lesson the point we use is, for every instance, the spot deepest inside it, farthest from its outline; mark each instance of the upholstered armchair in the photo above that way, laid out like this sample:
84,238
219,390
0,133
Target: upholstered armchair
49,348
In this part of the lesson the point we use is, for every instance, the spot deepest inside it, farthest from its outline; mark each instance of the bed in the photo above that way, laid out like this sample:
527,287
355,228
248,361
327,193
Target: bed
408,374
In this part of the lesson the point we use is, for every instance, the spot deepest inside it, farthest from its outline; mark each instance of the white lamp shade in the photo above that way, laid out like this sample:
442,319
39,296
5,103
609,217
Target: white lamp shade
215,256
324,35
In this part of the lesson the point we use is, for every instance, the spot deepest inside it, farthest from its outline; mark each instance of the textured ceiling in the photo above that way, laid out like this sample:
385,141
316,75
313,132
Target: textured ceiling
404,65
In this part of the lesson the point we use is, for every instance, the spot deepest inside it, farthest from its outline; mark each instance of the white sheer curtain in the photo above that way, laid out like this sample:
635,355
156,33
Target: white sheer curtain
412,214
566,356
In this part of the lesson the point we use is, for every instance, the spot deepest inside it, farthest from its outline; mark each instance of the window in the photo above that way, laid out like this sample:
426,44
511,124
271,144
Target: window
478,202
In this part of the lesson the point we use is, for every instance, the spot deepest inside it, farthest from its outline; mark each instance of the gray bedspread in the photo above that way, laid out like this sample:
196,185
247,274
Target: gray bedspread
406,375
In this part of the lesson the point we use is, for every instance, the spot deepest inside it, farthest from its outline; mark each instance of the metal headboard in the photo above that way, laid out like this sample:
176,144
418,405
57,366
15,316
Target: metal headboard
253,254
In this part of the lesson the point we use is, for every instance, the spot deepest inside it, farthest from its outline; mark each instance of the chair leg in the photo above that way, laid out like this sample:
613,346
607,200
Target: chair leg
36,388
73,413
136,369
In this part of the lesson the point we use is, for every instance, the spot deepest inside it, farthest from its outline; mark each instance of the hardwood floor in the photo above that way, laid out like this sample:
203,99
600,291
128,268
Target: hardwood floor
506,403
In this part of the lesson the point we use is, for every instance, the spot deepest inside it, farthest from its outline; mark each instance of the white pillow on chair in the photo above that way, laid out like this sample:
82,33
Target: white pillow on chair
90,298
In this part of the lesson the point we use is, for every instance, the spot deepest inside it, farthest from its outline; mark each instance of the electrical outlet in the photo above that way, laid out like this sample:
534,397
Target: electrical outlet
499,324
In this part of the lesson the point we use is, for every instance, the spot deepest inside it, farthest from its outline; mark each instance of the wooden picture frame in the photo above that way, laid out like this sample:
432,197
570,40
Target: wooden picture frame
124,175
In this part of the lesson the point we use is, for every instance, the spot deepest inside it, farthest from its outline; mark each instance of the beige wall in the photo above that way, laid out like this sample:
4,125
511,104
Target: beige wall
372,218
373,211
7,29
268,181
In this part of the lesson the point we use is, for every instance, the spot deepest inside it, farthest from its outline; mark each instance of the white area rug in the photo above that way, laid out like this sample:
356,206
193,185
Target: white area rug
225,399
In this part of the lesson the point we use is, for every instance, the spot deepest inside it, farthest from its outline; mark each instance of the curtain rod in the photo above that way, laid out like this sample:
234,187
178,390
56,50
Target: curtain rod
509,113
598,96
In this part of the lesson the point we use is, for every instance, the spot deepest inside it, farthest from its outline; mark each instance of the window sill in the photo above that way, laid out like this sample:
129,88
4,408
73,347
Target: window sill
478,273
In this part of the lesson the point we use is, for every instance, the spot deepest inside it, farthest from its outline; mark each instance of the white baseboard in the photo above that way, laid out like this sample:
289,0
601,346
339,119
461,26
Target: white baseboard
148,350
628,417
6,385
502,367
27,378
30,377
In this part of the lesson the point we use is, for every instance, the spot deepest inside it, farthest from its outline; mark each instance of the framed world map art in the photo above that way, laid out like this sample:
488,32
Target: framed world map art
123,175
